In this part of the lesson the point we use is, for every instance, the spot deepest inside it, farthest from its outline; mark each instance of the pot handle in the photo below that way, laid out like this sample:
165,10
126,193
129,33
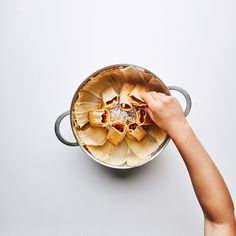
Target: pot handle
187,98
57,129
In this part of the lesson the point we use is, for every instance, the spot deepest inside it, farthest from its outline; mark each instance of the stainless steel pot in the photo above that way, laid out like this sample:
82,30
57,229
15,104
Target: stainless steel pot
76,143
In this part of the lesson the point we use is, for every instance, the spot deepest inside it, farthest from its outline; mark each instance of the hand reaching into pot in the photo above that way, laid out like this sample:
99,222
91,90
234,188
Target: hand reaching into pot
209,186
165,111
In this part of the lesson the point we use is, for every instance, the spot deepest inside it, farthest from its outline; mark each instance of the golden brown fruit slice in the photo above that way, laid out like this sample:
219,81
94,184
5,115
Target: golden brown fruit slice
109,97
117,132
99,117
136,131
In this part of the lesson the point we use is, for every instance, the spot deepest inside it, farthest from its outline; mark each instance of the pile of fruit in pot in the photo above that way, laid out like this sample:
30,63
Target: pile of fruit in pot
110,120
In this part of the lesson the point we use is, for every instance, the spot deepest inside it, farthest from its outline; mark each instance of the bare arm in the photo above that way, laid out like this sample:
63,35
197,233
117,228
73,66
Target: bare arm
208,184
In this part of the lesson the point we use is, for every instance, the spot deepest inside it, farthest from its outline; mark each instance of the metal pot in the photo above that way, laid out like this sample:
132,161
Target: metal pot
76,143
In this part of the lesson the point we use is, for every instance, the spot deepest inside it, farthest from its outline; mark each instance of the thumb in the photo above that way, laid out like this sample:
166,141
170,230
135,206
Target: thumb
147,97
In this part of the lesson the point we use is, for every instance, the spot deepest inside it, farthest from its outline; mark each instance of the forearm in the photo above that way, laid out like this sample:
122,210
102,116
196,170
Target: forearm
207,181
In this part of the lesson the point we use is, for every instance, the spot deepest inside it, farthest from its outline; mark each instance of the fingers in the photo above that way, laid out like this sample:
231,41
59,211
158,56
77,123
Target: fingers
157,96
154,100
149,99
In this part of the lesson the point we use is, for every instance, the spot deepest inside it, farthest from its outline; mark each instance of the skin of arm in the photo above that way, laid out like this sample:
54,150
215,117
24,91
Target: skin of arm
208,184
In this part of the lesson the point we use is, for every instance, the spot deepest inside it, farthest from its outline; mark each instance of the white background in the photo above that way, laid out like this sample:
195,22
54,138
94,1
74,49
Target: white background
47,48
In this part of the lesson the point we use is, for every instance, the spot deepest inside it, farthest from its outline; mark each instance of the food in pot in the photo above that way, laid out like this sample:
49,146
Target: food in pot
136,95
117,132
109,117
142,117
125,103
136,131
92,136
109,97
99,117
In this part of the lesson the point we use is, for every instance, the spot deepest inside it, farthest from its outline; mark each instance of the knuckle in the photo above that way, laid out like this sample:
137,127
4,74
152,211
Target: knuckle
166,101
169,100
172,99
154,106
161,106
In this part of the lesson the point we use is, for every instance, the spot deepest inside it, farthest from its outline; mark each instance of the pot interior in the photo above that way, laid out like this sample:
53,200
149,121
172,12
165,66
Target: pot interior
92,91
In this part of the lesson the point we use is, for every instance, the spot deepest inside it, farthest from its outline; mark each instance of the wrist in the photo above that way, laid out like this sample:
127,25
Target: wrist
178,129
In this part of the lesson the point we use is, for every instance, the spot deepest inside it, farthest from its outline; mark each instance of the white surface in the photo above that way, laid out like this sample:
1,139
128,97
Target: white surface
47,48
